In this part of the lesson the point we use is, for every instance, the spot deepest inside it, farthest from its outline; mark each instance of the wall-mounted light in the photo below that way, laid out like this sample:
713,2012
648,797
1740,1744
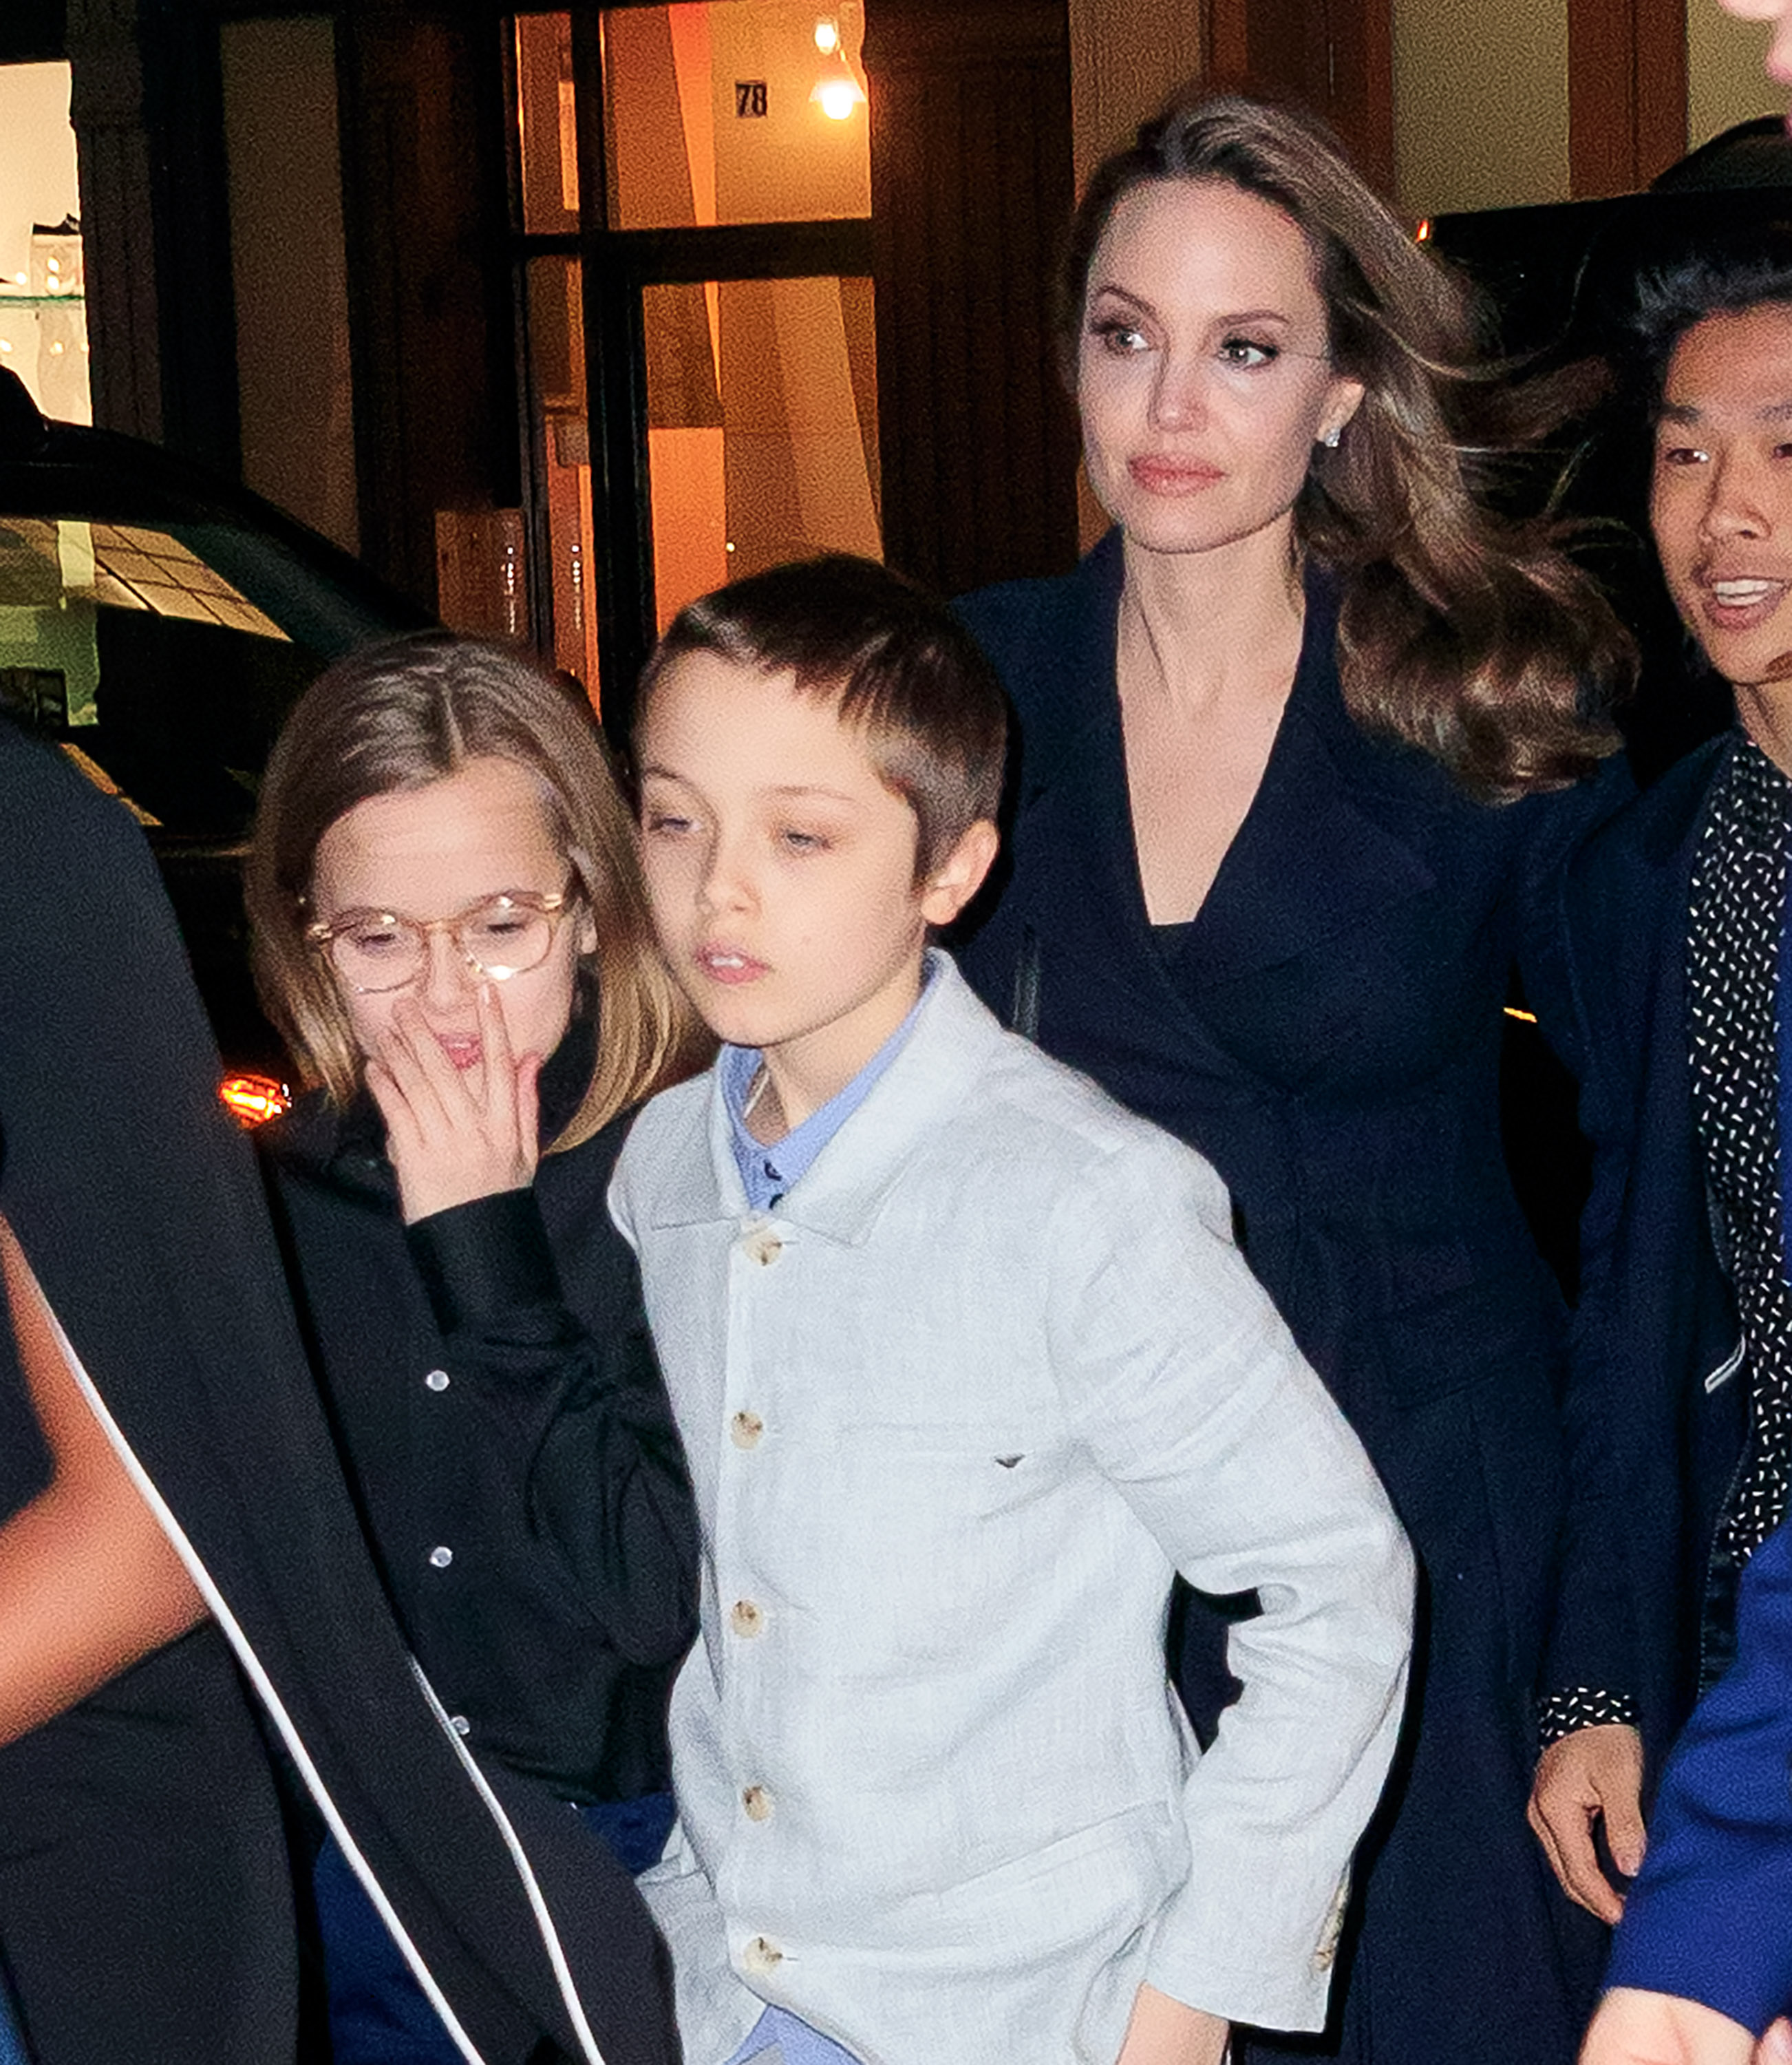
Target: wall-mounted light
835,91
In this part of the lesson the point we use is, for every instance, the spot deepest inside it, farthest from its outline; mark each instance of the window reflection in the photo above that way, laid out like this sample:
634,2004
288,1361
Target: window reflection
762,429
563,439
547,128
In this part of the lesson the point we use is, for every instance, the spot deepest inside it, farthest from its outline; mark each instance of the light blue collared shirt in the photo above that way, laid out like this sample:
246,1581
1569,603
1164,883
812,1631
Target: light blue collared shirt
797,2043
769,1172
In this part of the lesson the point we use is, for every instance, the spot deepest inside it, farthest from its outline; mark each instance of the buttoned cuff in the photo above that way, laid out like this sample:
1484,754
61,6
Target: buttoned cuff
482,1261
1570,1708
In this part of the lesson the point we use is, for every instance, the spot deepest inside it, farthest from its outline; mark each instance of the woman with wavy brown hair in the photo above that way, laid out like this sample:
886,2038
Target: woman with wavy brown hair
1304,743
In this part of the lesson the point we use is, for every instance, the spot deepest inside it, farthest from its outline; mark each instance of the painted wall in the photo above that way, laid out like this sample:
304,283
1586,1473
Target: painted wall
1119,76
45,345
37,182
1480,104
1725,82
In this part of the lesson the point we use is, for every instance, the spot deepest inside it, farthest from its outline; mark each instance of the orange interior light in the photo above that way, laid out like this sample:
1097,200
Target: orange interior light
253,1100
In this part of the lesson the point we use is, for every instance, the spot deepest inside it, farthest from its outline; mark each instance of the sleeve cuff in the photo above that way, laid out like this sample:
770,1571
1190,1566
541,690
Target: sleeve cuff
482,1260
1570,1708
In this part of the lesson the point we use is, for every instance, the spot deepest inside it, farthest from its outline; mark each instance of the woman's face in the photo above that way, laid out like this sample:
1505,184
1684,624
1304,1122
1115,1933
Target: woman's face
1203,376
435,853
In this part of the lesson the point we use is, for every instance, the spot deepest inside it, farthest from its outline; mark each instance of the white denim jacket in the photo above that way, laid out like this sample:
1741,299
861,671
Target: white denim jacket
955,1411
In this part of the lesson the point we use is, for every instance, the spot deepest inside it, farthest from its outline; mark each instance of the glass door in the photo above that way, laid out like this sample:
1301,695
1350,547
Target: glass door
692,187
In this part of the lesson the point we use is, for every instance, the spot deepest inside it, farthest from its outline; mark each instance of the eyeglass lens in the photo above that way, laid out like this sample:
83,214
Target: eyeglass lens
381,952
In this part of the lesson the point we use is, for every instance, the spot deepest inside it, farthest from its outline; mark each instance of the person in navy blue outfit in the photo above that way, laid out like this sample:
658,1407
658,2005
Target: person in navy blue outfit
1681,1405
1303,745
1702,1964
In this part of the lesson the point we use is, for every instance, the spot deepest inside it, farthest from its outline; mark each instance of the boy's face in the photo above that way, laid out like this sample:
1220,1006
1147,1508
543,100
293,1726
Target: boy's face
781,873
1721,504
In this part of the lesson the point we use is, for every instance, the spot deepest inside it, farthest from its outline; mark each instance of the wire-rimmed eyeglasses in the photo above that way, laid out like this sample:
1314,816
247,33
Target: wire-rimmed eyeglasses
372,952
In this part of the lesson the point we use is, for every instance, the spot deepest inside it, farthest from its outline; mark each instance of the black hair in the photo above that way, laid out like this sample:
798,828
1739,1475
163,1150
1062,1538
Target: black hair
1701,276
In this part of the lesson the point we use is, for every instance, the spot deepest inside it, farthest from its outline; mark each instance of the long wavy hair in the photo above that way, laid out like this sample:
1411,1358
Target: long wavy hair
1473,638
400,716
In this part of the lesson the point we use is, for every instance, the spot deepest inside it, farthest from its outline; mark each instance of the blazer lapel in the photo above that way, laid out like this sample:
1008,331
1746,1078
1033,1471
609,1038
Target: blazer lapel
1310,859
1308,863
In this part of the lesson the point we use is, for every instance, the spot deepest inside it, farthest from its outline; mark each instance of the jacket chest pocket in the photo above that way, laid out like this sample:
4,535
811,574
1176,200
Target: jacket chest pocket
920,1535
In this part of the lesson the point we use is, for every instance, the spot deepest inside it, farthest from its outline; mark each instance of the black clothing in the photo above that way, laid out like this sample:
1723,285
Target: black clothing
146,1909
1328,1035
1735,916
1659,1406
1735,925
503,1425
135,1199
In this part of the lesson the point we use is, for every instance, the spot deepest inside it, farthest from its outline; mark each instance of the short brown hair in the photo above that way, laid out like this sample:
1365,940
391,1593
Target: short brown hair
892,662
400,716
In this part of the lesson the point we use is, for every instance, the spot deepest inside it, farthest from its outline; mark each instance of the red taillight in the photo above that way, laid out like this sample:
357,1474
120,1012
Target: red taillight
254,1099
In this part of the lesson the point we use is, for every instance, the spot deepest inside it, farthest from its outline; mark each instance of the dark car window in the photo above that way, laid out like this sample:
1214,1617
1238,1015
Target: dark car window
132,645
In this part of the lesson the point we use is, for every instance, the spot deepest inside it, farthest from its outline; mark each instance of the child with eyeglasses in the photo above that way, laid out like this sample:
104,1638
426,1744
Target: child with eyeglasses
448,932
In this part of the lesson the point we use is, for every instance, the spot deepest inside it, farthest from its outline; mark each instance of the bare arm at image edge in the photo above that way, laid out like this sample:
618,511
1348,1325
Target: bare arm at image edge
89,1583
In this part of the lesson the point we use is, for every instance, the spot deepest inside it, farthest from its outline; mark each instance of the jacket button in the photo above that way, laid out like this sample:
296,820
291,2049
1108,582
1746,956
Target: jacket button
461,1725
745,1428
436,1379
441,1556
757,1802
748,1620
761,1244
761,1955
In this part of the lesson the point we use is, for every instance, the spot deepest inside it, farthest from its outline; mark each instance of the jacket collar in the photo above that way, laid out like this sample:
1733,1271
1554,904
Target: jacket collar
922,1092
1674,809
1321,785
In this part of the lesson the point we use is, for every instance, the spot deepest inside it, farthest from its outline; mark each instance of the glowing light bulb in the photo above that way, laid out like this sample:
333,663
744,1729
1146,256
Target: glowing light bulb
839,97
55,265
827,36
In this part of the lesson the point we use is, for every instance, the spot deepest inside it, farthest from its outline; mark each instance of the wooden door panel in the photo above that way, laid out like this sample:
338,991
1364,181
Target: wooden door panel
1335,56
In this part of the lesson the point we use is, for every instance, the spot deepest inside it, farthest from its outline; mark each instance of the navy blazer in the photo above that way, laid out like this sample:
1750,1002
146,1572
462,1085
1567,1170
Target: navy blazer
1330,1035
1710,1916
1656,1409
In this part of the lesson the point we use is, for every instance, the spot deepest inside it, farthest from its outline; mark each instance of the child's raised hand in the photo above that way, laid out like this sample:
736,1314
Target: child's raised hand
454,1134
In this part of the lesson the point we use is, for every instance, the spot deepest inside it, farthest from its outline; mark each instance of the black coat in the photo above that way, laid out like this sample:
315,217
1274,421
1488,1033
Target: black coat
136,1201
1657,1409
497,1400
1330,1037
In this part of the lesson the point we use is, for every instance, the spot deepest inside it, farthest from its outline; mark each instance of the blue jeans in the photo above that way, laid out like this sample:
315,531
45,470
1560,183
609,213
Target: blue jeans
12,2044
379,2015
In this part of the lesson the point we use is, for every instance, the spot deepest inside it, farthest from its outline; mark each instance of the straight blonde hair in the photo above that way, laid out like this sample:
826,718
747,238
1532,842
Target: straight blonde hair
398,716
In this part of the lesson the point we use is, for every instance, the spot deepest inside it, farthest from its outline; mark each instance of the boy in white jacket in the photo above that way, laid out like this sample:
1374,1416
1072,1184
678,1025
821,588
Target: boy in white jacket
967,1367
